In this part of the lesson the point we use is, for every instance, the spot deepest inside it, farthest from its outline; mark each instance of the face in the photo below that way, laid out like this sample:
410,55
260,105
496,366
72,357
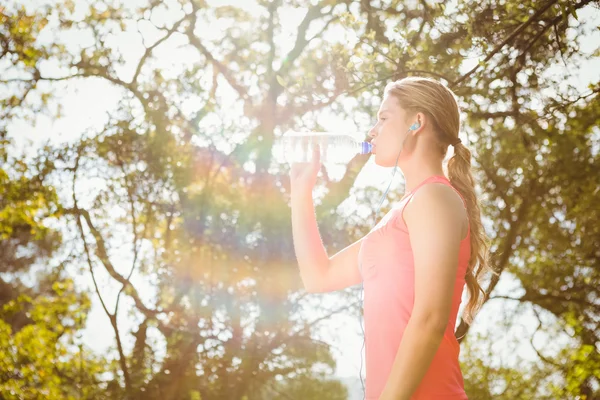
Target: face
389,133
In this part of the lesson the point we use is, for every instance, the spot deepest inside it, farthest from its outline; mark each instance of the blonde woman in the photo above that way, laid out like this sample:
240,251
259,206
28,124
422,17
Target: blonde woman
414,264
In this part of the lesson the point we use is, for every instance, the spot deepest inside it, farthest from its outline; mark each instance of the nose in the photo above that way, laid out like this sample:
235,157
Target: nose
372,134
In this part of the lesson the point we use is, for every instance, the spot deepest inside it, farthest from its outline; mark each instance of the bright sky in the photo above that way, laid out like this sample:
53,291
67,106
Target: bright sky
86,105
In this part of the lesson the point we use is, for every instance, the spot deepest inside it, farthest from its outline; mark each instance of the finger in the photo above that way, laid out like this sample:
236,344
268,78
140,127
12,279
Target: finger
316,153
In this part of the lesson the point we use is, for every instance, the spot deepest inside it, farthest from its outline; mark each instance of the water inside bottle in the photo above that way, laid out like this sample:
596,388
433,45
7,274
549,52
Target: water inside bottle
298,147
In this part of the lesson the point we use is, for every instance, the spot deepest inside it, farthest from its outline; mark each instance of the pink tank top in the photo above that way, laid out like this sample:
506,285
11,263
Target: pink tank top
386,265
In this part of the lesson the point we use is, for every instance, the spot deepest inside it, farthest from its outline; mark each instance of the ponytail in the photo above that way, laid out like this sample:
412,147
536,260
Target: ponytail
460,176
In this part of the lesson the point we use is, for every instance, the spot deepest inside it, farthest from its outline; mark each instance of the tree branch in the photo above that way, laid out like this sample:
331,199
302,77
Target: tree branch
301,41
102,254
543,358
273,5
510,37
80,225
553,23
227,74
151,48
42,78
424,21
134,229
564,297
111,317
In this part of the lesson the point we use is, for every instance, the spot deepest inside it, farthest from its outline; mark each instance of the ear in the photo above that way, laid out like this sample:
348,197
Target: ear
421,119
418,122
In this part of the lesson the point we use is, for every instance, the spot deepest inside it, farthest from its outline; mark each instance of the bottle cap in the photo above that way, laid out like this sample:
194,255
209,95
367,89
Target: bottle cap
366,148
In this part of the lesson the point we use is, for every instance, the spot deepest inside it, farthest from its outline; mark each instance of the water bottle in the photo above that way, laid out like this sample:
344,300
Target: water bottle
335,148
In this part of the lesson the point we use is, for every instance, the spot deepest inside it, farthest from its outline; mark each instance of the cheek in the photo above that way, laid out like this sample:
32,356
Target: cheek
390,135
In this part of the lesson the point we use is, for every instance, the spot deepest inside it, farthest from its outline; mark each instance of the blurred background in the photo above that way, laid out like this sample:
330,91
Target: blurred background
145,228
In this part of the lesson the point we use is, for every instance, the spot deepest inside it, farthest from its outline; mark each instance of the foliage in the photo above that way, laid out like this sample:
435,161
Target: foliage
181,175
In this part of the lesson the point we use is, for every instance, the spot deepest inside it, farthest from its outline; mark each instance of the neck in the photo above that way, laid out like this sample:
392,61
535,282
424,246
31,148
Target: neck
420,162
415,173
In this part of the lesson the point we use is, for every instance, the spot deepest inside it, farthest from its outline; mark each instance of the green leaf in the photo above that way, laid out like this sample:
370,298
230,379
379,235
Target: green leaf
281,81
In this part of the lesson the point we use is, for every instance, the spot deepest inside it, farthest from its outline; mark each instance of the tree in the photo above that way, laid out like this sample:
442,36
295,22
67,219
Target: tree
205,209
40,354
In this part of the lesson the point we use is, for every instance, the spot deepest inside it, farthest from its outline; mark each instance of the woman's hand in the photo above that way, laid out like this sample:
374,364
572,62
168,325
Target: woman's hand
303,176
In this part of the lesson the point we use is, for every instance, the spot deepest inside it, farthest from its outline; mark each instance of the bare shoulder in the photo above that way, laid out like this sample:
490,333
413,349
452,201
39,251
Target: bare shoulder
434,200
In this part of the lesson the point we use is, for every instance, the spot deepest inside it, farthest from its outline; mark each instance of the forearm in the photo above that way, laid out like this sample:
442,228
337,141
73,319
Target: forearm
308,246
419,344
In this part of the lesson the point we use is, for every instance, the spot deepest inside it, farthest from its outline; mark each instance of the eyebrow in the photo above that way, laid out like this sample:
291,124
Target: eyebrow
382,111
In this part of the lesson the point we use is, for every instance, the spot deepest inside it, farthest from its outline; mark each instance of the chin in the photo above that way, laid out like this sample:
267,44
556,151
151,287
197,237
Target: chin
387,163
383,162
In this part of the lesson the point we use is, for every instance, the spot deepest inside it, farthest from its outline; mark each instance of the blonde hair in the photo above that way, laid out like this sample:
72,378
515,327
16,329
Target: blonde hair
438,103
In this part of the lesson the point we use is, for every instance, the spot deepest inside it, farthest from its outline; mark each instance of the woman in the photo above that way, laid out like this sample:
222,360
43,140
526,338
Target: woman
416,261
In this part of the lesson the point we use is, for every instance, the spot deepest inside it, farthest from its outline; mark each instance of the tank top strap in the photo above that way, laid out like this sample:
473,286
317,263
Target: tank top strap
434,178
457,192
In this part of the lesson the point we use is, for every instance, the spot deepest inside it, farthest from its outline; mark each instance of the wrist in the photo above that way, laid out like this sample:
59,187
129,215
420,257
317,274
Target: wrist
301,195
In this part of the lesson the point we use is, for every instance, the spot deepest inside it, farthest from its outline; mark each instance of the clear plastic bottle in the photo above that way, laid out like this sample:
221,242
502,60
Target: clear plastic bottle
335,148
